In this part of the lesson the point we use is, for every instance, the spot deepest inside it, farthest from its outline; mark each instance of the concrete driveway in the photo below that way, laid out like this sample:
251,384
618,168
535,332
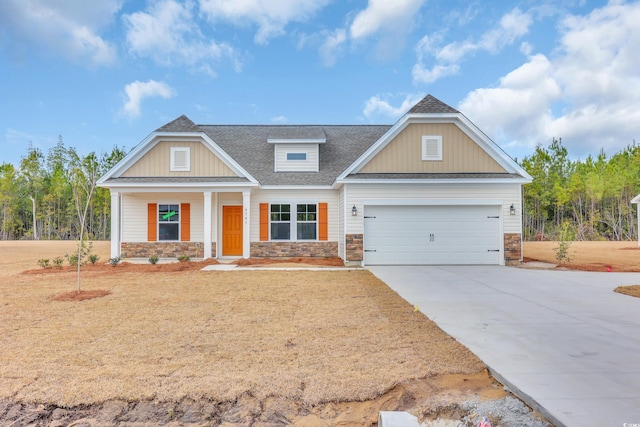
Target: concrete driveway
563,341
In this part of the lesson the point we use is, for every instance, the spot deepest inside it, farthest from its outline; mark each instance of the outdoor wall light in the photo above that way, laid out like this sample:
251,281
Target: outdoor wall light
354,211
512,209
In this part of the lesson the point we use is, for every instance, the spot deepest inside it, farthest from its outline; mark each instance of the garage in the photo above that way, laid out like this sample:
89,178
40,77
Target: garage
442,234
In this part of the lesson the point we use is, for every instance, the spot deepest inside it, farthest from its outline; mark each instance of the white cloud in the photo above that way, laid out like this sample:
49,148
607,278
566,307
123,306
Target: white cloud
378,108
271,16
70,27
138,90
168,34
447,58
585,94
332,46
279,119
388,21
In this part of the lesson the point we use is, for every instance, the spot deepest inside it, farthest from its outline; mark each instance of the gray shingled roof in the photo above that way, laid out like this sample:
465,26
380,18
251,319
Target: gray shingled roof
247,144
431,105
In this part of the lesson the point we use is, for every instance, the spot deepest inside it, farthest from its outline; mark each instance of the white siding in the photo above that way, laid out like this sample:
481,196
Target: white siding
341,242
296,196
134,214
284,165
381,194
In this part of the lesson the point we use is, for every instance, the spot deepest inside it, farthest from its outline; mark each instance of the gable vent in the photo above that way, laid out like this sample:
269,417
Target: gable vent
180,159
431,147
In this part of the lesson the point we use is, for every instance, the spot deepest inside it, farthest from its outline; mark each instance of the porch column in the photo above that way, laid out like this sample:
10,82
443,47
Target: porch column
246,227
207,224
115,224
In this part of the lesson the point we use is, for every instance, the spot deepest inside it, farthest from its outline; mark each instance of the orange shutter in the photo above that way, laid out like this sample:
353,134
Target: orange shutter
185,222
152,222
323,226
264,221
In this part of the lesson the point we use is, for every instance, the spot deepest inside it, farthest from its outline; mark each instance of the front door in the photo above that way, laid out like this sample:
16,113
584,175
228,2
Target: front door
232,231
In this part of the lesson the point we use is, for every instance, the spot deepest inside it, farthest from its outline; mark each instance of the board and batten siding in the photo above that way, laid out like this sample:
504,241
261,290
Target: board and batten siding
389,194
134,214
459,153
284,165
157,162
296,196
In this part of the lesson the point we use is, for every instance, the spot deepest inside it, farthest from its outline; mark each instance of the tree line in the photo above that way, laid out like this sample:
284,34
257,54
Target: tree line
40,198
586,199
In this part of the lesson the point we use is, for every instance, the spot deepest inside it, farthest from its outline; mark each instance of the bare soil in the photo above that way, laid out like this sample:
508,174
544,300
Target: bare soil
589,256
170,344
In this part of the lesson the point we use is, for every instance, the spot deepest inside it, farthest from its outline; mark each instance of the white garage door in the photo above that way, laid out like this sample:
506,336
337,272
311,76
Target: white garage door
432,235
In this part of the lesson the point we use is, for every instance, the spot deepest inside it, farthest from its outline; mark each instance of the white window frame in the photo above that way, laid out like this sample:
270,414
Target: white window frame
178,223
293,221
426,139
187,154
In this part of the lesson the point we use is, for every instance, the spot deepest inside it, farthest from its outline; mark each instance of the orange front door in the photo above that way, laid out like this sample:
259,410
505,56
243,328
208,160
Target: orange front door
232,231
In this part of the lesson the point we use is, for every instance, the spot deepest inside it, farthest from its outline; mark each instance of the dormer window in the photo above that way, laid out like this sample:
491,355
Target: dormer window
180,159
296,156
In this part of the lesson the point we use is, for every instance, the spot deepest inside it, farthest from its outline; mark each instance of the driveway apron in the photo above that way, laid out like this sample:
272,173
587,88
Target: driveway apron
562,341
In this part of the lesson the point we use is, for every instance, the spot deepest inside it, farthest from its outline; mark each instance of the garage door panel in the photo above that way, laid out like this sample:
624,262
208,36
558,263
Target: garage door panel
432,235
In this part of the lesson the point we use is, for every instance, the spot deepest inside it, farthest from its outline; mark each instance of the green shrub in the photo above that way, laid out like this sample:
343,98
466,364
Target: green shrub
44,263
93,258
184,258
153,259
115,260
565,235
57,261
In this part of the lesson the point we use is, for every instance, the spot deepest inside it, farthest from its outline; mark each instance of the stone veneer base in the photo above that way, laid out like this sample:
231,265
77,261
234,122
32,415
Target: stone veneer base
355,250
164,249
294,249
512,248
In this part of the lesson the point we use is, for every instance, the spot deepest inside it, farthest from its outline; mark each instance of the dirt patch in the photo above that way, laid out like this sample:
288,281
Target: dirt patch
589,256
633,290
80,296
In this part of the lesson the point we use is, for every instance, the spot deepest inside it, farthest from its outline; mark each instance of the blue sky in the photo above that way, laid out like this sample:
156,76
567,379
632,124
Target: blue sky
110,72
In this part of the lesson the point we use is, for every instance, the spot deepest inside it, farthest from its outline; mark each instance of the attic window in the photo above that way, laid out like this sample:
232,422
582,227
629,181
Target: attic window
296,156
431,147
180,159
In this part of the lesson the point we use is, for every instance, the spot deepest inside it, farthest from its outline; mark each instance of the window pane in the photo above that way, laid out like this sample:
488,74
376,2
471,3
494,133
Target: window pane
168,231
296,156
168,213
307,231
280,231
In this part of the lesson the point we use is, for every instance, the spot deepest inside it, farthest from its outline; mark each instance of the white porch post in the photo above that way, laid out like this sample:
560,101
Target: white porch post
115,224
207,224
246,227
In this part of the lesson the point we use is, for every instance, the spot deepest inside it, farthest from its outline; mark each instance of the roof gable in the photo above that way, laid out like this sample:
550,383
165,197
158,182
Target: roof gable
432,111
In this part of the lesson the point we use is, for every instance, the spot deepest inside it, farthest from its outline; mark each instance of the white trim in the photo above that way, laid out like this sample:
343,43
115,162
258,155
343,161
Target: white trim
207,241
115,224
246,225
437,181
171,187
187,159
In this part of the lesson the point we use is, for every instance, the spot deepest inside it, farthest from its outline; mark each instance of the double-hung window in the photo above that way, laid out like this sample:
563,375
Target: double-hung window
280,219
300,225
306,222
168,222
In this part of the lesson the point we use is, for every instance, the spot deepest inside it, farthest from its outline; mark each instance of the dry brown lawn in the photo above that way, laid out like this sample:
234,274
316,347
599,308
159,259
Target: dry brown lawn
591,256
312,337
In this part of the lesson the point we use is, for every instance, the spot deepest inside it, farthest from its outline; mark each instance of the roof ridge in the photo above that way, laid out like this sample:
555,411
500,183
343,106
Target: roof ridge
431,105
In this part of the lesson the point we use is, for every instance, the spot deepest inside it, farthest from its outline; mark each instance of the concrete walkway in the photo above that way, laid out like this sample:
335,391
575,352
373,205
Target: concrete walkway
563,341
